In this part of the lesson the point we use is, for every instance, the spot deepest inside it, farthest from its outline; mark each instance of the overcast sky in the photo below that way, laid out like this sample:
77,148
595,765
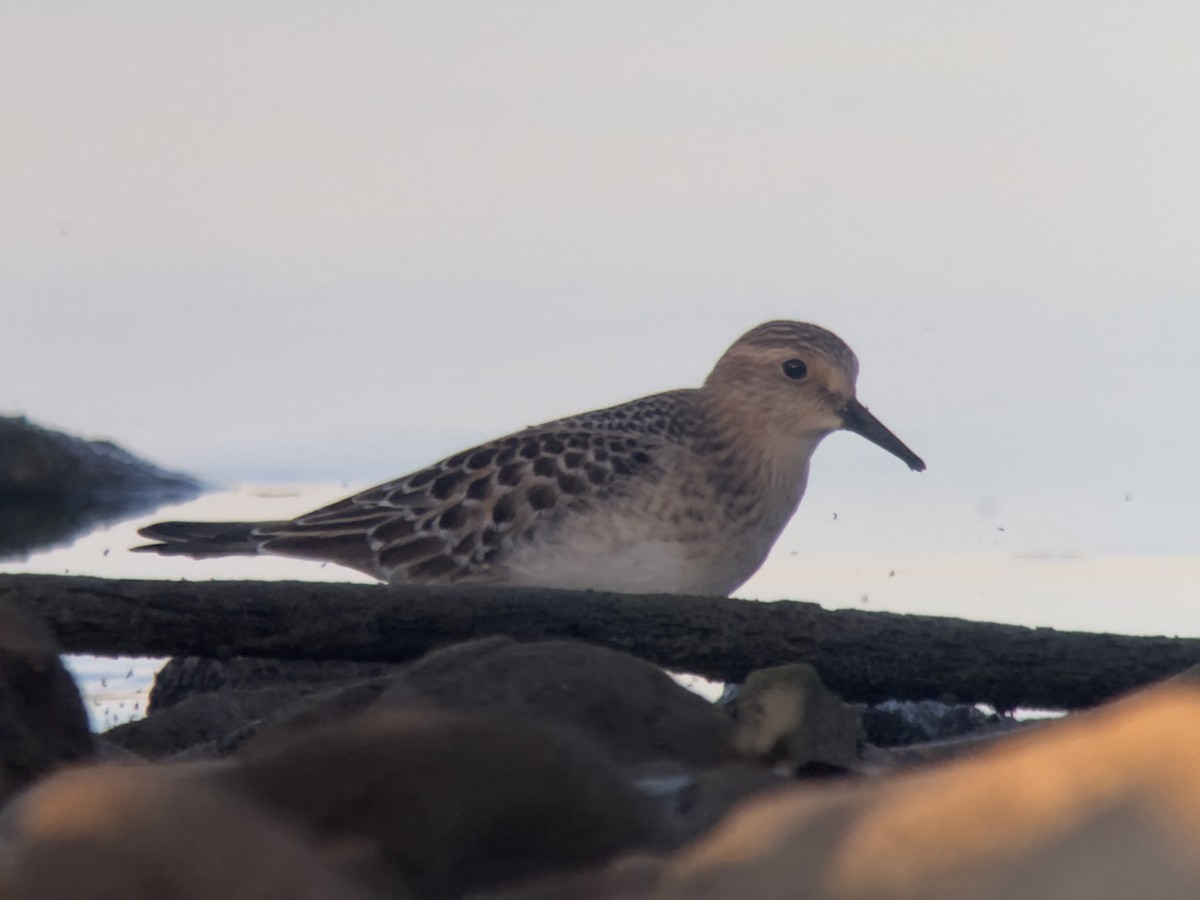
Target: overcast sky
336,241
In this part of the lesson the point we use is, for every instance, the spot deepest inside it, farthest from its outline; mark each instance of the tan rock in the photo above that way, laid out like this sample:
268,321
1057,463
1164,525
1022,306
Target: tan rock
146,833
785,713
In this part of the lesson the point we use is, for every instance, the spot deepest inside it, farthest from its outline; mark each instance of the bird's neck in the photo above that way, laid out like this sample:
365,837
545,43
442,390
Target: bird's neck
760,461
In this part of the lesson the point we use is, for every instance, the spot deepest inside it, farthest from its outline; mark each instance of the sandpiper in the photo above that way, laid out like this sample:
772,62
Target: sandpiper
679,492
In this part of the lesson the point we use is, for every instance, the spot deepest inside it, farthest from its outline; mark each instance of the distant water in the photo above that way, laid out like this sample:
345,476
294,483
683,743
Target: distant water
975,563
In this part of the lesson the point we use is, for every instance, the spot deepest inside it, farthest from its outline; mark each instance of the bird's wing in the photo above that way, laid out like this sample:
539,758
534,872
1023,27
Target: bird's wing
454,520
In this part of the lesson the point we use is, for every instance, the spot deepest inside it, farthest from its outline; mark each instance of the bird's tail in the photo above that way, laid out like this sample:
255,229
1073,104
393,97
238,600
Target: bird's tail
200,540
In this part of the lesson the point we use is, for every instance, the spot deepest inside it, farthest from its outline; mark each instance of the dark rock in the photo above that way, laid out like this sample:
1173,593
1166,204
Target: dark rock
448,802
199,725
330,705
43,723
630,707
895,723
185,676
36,460
54,487
109,752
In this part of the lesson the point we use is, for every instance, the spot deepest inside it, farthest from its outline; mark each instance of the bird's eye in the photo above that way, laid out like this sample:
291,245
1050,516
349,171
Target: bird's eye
795,369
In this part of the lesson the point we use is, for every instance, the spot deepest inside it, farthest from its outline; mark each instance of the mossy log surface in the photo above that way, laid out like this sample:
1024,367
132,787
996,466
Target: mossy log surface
864,656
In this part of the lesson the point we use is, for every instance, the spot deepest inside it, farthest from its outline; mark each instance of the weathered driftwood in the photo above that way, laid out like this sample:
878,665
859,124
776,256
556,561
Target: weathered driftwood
864,656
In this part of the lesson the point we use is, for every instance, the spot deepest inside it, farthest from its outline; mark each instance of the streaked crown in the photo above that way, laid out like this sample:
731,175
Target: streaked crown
800,336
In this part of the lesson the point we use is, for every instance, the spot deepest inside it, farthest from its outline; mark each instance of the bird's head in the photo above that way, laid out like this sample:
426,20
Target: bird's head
794,382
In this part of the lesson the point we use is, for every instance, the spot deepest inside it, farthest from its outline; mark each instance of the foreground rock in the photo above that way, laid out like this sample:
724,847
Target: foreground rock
204,725
444,803
186,676
631,708
559,770
397,803
149,833
43,724
1102,806
54,486
672,745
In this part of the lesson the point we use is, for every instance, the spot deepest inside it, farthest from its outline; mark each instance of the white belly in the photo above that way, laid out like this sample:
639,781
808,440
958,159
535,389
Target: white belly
648,567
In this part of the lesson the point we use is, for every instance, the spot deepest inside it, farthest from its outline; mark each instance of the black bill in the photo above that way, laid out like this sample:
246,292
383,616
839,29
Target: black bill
858,418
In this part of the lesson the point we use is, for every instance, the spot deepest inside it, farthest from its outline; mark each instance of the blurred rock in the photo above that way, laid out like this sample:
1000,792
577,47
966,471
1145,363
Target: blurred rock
447,802
630,707
880,759
203,707
186,676
43,723
54,487
333,704
630,877
150,833
1104,805
691,801
199,725
1189,676
108,752
785,714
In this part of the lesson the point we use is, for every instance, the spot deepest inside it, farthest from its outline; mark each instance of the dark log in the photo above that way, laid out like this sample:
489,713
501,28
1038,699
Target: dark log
864,656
